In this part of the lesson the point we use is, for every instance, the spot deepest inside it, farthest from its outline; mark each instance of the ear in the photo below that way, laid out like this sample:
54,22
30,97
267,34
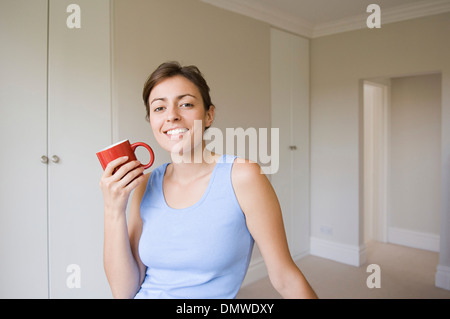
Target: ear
209,117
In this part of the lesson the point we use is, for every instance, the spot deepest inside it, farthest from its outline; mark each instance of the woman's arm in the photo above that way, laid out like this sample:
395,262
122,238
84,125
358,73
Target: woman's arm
264,221
122,264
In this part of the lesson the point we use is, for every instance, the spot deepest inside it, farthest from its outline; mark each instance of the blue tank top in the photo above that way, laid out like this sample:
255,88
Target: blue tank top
199,252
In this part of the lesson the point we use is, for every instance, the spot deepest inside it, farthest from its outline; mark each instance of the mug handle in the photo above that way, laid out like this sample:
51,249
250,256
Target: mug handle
149,149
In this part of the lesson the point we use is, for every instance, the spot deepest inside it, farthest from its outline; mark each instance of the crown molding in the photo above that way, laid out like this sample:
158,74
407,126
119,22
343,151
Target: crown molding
266,14
288,22
391,15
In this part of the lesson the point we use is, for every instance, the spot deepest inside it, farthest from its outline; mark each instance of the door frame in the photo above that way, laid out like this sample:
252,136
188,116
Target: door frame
380,217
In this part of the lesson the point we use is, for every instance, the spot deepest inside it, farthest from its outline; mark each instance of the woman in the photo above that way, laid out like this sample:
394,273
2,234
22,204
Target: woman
192,222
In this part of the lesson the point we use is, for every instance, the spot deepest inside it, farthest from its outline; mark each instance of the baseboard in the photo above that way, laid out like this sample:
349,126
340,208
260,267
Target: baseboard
347,254
442,279
413,239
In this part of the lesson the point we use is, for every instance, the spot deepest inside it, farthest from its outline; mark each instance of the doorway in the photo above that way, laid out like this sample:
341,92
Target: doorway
402,154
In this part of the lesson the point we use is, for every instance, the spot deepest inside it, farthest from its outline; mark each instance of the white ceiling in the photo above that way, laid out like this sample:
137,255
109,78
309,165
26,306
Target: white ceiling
314,18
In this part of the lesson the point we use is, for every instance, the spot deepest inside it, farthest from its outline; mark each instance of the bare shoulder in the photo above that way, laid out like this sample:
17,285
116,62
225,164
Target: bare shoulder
252,188
245,171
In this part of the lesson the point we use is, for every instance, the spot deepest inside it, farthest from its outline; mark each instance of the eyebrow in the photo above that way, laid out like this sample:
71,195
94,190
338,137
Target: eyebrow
179,97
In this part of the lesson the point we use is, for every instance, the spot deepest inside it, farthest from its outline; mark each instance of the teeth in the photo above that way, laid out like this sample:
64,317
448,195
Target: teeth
177,131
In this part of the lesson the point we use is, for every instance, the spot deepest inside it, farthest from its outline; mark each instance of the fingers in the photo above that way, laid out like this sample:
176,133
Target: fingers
119,173
135,181
120,168
113,165
130,175
118,180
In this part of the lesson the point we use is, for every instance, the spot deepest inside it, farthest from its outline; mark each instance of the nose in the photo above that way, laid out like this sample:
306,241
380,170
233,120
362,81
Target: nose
172,114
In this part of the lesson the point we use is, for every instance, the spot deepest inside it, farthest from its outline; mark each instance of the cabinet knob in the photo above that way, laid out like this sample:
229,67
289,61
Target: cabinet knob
55,159
292,147
44,159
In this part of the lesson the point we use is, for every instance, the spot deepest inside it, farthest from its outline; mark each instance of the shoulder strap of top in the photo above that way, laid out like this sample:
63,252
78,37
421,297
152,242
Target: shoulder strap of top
222,181
227,159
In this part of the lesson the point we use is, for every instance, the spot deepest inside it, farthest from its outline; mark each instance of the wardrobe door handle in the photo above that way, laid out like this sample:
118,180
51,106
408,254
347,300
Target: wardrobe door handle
44,159
55,159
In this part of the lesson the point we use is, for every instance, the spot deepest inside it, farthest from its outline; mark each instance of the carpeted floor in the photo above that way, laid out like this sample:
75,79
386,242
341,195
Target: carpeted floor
405,273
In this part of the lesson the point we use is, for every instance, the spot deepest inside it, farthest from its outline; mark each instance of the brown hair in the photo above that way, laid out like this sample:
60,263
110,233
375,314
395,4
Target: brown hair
170,69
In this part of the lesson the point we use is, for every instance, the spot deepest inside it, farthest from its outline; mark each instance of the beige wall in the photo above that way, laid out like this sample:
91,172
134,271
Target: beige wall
231,50
415,153
338,64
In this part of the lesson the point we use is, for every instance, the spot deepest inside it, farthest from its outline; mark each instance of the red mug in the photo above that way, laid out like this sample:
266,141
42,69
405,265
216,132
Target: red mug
123,148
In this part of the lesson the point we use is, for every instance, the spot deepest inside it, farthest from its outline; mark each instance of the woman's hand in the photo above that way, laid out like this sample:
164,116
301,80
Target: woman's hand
123,268
117,182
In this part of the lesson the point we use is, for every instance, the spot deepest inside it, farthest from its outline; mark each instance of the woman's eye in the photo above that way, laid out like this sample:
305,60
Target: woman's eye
187,105
158,109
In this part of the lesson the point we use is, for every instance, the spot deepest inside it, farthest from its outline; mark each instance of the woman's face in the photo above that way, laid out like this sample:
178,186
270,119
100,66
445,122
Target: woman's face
177,115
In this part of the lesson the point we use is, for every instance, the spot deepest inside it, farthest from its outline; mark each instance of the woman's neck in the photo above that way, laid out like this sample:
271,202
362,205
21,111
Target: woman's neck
190,166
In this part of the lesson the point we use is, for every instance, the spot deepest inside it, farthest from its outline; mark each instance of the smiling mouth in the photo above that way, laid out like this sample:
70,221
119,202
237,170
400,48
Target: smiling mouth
176,132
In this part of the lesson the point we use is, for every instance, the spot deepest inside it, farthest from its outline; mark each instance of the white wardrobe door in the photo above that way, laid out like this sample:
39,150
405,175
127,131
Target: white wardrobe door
79,124
23,140
290,113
